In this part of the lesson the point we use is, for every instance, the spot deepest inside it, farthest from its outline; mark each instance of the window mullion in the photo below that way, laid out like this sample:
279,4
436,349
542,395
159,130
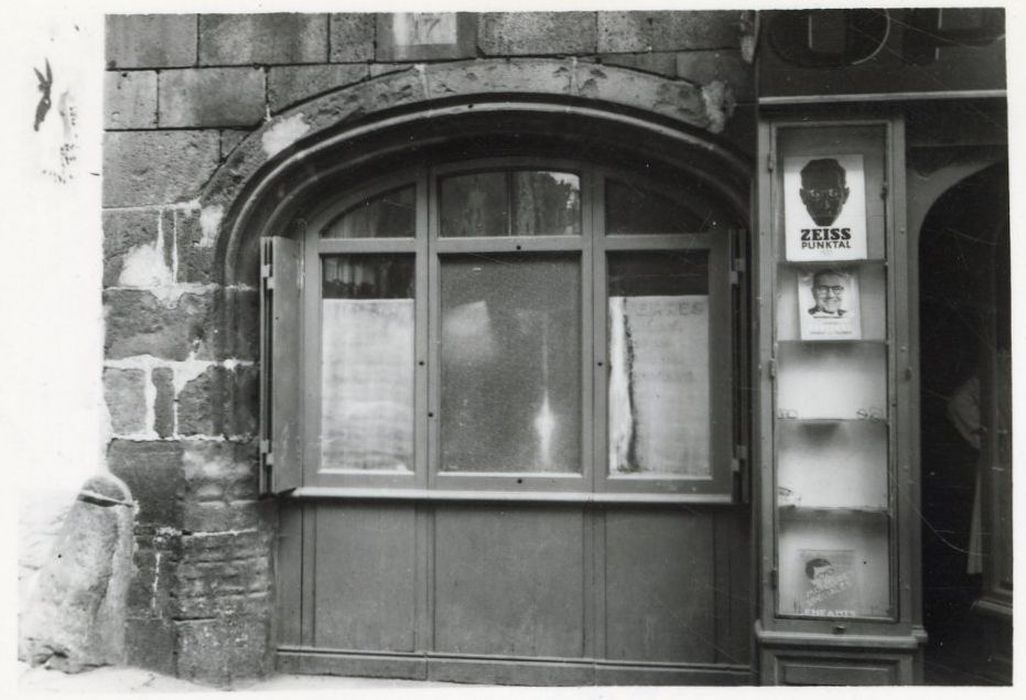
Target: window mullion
423,365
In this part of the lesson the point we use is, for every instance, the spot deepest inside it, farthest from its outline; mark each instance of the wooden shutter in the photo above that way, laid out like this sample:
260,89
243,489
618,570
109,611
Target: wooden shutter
281,454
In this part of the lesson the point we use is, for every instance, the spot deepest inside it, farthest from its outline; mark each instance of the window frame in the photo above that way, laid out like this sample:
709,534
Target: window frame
591,481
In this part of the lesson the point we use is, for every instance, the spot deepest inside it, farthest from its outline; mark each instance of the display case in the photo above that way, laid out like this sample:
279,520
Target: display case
838,546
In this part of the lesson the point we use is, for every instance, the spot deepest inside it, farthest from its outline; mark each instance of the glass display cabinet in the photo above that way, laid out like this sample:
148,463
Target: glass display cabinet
838,542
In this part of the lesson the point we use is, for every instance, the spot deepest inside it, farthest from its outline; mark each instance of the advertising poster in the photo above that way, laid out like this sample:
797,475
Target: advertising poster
824,208
828,305
829,583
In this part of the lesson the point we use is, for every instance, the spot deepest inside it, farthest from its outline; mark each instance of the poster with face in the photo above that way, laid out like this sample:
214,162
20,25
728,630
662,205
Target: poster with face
829,583
824,208
828,304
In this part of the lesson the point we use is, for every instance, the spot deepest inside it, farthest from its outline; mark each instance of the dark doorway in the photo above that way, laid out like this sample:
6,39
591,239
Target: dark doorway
964,334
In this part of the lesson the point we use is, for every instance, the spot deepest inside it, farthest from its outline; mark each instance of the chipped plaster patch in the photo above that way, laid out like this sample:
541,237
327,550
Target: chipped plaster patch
144,266
210,223
719,104
283,134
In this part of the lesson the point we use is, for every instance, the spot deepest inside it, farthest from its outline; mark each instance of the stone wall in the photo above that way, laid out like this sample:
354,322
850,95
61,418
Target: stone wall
180,377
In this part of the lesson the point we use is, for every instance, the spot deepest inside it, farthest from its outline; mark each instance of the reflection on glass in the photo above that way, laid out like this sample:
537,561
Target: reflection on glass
510,363
633,210
389,215
658,415
546,204
518,203
367,350
475,205
835,567
832,380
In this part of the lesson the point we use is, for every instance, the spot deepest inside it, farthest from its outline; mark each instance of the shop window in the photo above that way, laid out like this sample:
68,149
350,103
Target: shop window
506,327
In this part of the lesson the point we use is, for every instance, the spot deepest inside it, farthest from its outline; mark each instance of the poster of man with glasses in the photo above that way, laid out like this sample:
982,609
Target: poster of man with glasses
825,207
828,304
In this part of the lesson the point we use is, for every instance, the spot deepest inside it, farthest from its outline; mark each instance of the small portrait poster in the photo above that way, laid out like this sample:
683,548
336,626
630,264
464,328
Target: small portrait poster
828,305
829,583
824,208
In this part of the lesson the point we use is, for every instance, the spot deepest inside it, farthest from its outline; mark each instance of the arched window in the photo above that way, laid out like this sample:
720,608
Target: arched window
514,326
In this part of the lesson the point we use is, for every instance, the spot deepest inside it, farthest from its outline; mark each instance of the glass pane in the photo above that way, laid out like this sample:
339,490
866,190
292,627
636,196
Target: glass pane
834,380
658,416
367,350
390,215
475,205
633,210
835,566
546,204
832,465
511,363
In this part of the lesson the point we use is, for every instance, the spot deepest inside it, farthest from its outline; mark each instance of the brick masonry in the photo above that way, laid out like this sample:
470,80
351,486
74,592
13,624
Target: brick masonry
195,106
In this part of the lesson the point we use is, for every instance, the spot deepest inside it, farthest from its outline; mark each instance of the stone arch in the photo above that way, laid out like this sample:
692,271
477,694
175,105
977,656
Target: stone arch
624,114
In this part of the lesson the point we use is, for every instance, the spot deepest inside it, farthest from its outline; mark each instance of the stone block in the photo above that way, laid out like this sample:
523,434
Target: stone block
154,473
230,138
194,247
154,581
152,643
138,323
125,393
268,38
536,33
126,230
130,100
677,100
225,649
220,472
156,167
377,69
631,32
288,85
242,307
662,63
204,97
150,41
703,67
164,401
218,547
75,617
219,516
245,401
526,74
352,37
201,403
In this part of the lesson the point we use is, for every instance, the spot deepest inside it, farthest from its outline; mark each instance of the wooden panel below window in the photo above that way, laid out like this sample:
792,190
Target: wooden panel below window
364,587
509,581
660,585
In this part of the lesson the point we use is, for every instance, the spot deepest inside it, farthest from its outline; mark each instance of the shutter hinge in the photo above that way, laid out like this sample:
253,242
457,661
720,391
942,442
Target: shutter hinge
267,274
740,457
774,579
266,465
737,269
771,366
884,190
265,453
770,161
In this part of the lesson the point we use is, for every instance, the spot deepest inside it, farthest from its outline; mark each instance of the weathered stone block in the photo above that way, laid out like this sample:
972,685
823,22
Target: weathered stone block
245,39
198,97
164,401
152,643
230,138
520,74
663,63
678,100
352,37
220,471
218,547
703,67
130,100
125,394
153,583
290,84
221,650
153,472
195,247
245,401
151,41
628,32
138,323
536,33
126,230
242,308
377,69
201,403
218,516
156,167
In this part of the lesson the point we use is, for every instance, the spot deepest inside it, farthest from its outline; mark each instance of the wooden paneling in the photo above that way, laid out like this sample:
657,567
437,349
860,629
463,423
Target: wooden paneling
733,581
838,672
659,585
509,581
288,568
365,587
